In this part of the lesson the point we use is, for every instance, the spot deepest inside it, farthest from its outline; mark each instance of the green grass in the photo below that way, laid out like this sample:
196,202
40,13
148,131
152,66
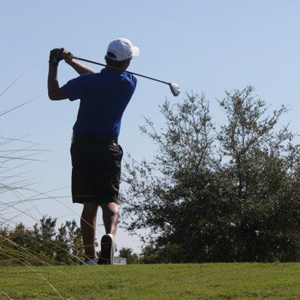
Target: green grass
158,282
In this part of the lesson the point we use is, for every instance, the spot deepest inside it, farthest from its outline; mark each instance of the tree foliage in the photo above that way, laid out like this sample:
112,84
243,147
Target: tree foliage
131,258
41,245
218,194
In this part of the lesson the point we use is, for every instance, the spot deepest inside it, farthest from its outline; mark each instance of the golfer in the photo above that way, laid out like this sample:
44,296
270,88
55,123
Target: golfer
95,152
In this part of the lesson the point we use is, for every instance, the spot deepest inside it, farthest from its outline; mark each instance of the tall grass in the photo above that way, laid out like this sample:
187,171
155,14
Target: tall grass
18,199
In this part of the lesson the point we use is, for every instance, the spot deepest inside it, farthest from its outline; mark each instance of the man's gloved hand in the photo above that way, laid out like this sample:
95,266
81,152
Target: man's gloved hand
56,56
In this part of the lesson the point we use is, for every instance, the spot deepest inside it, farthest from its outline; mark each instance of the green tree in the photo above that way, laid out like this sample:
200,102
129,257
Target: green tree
218,194
131,258
68,243
263,165
42,244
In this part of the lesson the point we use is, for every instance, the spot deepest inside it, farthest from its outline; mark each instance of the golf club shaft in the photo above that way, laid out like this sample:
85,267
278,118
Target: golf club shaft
103,65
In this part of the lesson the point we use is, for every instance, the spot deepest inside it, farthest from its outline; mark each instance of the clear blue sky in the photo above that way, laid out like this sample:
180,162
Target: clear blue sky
204,46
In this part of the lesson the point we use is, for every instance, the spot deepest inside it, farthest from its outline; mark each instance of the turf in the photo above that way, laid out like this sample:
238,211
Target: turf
159,282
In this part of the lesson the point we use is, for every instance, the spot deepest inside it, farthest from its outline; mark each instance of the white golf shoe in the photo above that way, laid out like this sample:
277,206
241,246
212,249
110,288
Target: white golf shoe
107,250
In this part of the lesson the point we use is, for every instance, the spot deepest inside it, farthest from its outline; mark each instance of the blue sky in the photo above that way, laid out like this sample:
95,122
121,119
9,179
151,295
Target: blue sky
204,46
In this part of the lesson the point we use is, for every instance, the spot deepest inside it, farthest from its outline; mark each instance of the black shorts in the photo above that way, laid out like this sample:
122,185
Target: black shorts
96,170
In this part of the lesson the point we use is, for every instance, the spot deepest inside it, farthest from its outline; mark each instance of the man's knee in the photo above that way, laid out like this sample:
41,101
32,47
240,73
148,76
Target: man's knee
90,208
110,208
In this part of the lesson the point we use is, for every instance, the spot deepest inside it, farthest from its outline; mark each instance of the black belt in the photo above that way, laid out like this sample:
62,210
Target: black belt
94,137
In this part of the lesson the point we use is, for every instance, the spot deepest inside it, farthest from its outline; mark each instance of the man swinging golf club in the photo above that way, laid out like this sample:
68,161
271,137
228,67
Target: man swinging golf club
95,152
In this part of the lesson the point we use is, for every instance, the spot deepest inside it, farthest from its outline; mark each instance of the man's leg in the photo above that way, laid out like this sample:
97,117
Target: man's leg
110,217
88,228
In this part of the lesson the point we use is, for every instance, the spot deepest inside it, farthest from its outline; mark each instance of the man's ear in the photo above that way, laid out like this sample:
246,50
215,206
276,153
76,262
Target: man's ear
126,63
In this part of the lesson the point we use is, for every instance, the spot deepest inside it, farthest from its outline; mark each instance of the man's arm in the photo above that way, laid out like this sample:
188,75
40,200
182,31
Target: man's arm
54,91
78,67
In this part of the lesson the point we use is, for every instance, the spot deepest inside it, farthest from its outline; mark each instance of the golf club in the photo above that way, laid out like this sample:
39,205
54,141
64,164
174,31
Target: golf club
175,88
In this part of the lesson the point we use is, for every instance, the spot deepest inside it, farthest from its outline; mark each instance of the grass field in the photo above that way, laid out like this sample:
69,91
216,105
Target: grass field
159,282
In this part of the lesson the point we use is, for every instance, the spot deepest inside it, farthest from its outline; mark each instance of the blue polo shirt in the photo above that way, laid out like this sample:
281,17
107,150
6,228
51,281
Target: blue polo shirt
103,99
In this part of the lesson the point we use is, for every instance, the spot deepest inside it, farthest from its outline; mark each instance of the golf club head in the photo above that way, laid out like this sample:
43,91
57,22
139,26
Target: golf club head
175,89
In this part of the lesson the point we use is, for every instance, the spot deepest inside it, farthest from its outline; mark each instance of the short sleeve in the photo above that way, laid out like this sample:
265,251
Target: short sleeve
77,87
131,85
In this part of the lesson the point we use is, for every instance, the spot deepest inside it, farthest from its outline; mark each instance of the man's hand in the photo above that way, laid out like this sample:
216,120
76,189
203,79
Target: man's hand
67,55
56,56
81,69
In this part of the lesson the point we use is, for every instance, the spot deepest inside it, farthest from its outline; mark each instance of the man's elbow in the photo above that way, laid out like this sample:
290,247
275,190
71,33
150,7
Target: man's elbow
59,95
53,97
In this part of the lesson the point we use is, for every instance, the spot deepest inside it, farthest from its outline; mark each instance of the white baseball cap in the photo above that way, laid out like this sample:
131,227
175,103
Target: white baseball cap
122,49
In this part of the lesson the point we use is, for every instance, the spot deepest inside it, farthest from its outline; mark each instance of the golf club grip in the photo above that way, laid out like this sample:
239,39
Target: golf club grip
103,65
